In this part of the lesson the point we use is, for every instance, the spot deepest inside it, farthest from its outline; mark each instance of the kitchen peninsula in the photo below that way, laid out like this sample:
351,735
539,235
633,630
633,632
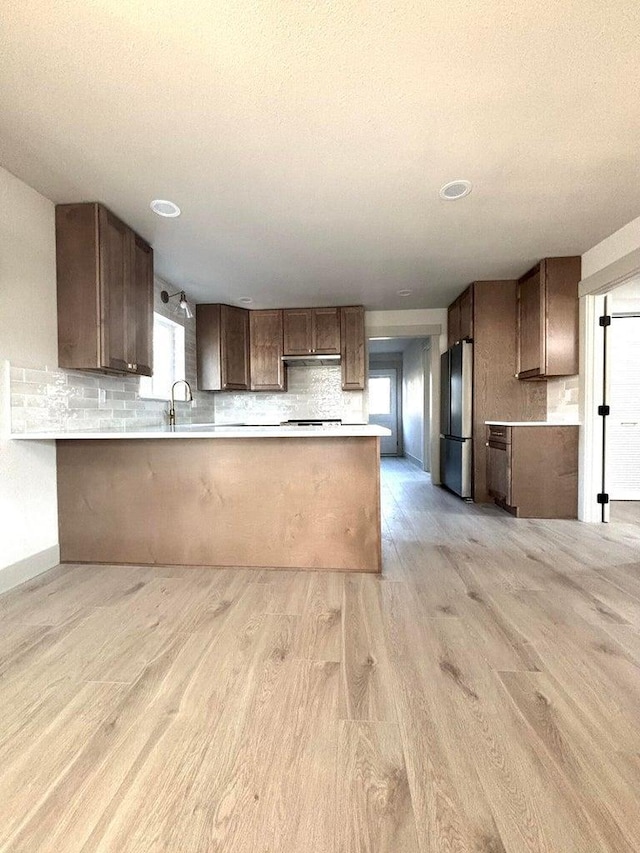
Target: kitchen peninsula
245,496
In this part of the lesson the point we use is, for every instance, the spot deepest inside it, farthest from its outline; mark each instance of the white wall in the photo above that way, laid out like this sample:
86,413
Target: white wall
413,401
28,335
612,248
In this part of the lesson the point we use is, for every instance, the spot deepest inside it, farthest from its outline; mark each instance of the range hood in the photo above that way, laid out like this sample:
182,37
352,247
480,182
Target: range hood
311,360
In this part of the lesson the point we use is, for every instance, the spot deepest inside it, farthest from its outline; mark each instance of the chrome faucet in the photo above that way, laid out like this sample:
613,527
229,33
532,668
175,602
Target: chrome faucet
172,410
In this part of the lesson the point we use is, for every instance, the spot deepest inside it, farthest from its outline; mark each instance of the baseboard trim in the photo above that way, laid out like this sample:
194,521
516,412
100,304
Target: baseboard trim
30,567
414,460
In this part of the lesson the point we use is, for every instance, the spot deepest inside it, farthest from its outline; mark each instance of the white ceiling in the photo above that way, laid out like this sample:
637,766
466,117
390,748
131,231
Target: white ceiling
306,140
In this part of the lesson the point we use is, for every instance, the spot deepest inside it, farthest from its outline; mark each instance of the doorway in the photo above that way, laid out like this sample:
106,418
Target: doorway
400,384
610,485
621,442
384,407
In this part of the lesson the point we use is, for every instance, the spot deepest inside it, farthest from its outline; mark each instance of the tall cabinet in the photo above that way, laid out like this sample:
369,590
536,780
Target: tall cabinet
486,313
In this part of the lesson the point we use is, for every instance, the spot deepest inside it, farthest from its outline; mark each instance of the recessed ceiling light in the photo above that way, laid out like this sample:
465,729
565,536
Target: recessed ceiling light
246,300
405,292
165,208
455,189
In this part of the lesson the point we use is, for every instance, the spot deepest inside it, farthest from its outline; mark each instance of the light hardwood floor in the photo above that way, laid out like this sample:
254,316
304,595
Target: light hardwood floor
483,696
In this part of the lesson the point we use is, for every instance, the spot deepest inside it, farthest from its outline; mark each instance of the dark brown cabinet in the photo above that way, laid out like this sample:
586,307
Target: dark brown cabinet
313,331
460,318
105,292
140,302
499,464
547,331
489,312
532,471
353,356
222,348
268,371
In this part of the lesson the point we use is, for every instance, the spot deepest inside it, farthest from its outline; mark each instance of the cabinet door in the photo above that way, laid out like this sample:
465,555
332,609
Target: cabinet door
352,348
499,471
115,261
453,323
234,355
326,331
531,360
298,331
465,307
268,372
140,308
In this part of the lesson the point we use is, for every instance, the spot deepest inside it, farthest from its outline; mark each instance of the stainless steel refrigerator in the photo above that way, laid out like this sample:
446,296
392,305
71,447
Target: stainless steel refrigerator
456,366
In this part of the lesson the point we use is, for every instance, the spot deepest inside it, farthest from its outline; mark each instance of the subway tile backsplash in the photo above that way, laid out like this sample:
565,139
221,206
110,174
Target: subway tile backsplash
53,399
59,400
313,392
563,399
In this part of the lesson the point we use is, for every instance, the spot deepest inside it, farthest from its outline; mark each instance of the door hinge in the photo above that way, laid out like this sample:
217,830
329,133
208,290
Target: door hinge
605,321
604,410
603,498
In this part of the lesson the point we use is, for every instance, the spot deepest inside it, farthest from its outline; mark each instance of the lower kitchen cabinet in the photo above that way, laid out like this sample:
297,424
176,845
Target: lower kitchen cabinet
532,470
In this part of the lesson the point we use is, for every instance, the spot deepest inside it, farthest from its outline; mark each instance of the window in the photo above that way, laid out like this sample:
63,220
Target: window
168,361
379,395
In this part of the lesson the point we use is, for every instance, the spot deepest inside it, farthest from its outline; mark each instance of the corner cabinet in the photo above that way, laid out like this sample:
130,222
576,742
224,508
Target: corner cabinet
268,371
222,348
352,348
311,331
105,292
548,319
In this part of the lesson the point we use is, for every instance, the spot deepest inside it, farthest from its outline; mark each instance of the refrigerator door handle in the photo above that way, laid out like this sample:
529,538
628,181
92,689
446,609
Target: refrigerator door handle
467,389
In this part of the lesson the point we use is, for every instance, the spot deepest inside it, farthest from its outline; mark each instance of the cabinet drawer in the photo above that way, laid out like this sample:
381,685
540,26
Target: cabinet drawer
499,434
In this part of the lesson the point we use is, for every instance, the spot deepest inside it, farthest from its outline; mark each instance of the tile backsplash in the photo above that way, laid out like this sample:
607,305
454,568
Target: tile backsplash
52,399
313,392
563,399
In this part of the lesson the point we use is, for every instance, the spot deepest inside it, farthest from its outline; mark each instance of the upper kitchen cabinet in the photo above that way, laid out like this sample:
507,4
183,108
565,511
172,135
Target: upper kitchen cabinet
313,331
222,348
548,319
268,371
105,292
460,318
353,355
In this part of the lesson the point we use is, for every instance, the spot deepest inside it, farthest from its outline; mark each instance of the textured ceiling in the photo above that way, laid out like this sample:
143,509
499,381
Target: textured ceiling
306,140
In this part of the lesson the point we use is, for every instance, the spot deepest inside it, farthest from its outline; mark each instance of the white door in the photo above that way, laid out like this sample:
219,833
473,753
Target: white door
623,424
383,407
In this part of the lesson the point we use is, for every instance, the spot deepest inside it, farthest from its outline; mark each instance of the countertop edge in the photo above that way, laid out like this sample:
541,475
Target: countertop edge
533,423
346,431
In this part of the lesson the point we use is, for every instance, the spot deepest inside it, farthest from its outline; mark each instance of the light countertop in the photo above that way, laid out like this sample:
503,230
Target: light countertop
220,431
531,423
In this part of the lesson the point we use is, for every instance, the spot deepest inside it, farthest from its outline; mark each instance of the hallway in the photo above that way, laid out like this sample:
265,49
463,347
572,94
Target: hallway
483,695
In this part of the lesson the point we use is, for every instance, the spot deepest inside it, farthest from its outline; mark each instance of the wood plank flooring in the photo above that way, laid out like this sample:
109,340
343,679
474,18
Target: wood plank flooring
482,696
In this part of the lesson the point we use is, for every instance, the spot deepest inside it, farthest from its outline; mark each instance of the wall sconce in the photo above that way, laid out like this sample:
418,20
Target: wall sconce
183,304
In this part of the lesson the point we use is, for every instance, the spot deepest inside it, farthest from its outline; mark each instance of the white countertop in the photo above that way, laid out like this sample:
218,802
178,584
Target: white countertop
531,423
220,431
